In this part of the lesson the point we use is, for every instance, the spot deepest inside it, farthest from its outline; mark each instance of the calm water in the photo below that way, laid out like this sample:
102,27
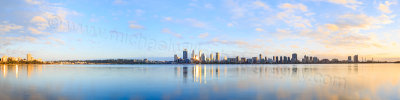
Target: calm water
325,81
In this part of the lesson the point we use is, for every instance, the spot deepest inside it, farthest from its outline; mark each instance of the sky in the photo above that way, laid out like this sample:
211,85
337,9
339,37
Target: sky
102,29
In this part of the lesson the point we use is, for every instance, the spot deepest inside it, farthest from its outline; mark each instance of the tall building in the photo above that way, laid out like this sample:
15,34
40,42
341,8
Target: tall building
294,58
185,54
356,58
285,59
176,58
280,60
4,59
349,59
237,59
29,57
203,57
243,60
255,60
260,56
193,55
217,59
276,59
211,57
200,57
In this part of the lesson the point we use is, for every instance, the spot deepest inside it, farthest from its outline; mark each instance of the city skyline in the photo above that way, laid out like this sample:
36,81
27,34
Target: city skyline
293,59
71,30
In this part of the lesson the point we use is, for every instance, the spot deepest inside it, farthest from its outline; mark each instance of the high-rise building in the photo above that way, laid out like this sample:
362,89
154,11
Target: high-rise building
356,58
29,57
176,58
237,59
217,59
349,59
285,59
294,58
185,54
211,57
243,60
203,57
193,55
200,57
260,56
4,59
225,58
276,59
280,60
255,60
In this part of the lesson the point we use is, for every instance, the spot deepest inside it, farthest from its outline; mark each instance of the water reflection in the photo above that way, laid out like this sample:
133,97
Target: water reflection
18,70
341,81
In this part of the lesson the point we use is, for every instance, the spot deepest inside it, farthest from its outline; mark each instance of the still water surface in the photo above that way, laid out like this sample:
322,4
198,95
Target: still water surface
314,81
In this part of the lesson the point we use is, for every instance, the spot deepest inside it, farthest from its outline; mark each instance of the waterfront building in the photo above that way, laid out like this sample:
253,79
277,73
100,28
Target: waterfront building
243,60
281,60
217,59
29,57
203,58
200,56
176,58
255,59
211,57
4,59
349,59
193,55
276,59
356,58
185,54
260,60
249,61
294,58
285,59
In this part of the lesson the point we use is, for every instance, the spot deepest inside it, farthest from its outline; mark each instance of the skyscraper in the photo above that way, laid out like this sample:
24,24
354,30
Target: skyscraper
200,57
29,57
217,59
356,58
185,54
349,59
203,57
211,57
193,55
176,58
260,56
294,58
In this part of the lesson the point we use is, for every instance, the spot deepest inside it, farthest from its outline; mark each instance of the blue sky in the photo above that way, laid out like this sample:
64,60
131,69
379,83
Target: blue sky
65,29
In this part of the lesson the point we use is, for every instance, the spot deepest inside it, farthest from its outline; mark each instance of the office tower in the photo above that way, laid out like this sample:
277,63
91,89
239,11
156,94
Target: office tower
176,58
276,59
260,61
225,58
255,60
315,59
243,60
349,59
211,57
29,57
285,59
185,54
280,60
311,59
4,59
200,56
356,58
217,59
237,59
294,57
288,60
203,57
273,58
193,55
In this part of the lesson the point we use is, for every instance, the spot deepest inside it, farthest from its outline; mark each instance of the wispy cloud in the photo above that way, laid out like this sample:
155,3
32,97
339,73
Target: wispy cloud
168,31
203,35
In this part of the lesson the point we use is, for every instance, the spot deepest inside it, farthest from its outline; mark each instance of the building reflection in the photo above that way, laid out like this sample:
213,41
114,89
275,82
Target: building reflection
20,70
314,75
